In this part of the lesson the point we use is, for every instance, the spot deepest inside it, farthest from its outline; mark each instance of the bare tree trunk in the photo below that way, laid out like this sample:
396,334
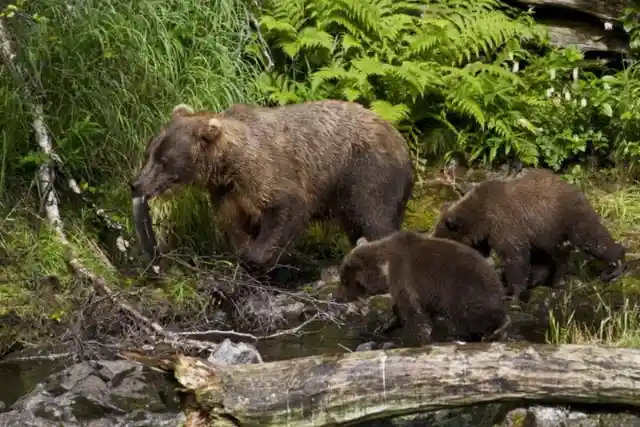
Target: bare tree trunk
339,390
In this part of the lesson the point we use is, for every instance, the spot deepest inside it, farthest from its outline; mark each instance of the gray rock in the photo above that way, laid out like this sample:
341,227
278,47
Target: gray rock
235,354
94,394
367,346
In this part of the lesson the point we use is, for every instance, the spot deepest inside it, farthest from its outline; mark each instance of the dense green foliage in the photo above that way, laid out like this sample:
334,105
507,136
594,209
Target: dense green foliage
443,71
474,77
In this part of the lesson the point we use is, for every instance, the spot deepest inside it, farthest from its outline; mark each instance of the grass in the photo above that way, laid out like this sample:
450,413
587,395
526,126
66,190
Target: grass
110,72
591,312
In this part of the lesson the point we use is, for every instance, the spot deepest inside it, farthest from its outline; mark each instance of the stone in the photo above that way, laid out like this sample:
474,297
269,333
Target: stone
367,346
95,394
235,354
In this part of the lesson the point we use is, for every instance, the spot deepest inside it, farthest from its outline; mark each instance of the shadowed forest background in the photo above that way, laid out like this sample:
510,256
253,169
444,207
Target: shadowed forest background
479,82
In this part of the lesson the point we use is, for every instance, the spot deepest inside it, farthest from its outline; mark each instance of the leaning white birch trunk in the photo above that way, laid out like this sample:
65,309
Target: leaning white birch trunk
46,176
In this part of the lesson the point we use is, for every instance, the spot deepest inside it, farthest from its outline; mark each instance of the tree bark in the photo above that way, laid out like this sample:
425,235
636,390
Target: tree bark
339,390
607,10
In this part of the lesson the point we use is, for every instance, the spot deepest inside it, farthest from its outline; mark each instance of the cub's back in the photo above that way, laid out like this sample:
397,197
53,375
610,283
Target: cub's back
439,259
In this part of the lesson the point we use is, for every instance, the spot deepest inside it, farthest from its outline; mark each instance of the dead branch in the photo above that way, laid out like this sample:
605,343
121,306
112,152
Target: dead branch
291,331
340,390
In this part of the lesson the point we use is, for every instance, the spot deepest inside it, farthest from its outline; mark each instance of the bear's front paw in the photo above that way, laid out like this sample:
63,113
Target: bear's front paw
256,256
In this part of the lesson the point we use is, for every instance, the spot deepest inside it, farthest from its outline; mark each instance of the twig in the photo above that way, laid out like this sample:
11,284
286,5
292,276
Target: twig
169,337
291,331
54,356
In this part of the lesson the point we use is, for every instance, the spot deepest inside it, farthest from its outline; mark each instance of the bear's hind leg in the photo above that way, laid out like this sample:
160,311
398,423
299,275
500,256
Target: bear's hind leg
516,271
591,235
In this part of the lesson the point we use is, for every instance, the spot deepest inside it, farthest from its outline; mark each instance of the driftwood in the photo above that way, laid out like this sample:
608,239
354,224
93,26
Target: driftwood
342,389
584,37
607,10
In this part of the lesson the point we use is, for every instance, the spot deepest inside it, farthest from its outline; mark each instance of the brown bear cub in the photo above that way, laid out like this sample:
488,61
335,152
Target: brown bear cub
427,278
527,217
270,171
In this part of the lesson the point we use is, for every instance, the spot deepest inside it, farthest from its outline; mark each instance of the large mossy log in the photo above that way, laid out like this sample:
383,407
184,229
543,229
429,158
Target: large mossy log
339,390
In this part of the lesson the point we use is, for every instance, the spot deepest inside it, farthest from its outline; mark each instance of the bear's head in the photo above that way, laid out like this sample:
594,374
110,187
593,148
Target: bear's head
463,222
179,154
363,272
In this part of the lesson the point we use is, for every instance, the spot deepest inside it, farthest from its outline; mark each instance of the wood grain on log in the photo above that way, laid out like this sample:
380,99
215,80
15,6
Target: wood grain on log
338,390
607,10
584,37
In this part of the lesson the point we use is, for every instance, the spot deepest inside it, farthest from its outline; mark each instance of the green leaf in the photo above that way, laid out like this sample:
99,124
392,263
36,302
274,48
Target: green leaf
390,112
351,94
607,110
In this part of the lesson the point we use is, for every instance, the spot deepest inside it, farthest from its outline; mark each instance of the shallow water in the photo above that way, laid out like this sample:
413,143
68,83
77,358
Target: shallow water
19,377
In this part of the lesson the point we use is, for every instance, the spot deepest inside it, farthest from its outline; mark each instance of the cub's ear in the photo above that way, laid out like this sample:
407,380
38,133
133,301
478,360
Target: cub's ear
181,110
361,241
211,130
452,223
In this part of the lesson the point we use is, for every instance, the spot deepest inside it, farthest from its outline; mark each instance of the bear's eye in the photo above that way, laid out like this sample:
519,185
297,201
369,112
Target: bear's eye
452,224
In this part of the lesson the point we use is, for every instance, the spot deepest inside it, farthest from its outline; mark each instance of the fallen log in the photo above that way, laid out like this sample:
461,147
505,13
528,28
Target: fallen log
343,389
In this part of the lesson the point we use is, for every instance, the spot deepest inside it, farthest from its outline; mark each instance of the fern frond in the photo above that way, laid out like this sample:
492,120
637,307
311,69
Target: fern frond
270,24
349,42
293,12
309,38
351,94
335,71
363,14
468,107
369,66
392,113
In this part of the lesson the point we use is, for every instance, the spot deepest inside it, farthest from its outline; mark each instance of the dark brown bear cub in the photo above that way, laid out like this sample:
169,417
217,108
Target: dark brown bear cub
270,171
428,277
536,212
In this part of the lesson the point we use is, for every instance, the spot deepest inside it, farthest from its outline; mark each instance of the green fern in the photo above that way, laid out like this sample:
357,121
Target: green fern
389,112
393,56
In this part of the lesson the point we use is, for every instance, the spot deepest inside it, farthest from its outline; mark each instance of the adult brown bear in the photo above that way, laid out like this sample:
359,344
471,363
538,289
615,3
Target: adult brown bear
270,171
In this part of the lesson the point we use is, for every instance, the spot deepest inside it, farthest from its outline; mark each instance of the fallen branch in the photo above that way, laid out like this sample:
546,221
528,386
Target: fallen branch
291,331
338,390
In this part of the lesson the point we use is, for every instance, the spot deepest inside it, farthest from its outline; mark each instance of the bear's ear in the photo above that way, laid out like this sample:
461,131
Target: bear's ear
181,110
211,130
361,241
468,187
451,223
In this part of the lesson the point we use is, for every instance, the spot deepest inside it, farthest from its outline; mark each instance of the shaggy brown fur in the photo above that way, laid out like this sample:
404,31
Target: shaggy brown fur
270,171
536,211
428,278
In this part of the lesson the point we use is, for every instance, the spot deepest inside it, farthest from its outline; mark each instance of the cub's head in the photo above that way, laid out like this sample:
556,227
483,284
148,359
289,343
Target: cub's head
461,222
364,271
449,224
178,154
